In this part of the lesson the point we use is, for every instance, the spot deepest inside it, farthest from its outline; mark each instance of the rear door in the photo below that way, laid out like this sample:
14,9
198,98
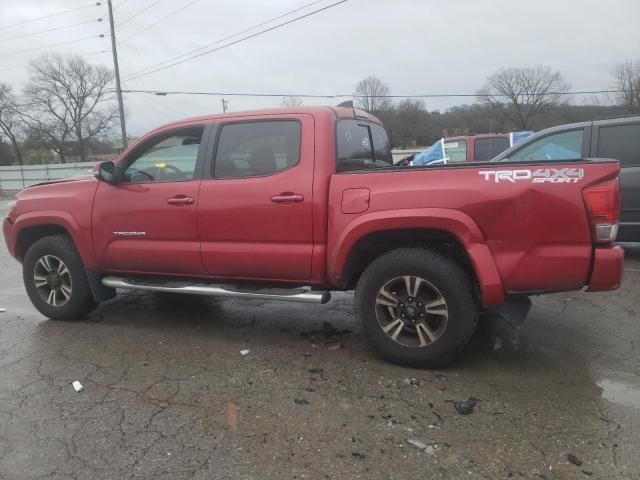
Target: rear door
255,204
622,142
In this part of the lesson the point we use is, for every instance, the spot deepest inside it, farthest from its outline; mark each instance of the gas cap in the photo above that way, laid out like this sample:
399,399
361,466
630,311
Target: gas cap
355,200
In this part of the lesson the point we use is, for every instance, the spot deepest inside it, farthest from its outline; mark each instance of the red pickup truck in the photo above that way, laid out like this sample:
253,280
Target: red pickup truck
291,204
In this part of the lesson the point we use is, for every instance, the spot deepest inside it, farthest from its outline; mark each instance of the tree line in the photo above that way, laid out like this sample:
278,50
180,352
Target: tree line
67,108
511,99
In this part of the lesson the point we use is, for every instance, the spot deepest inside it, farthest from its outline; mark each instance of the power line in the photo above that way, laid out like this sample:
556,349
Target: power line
96,4
50,30
120,4
136,75
102,35
350,95
136,14
228,37
157,22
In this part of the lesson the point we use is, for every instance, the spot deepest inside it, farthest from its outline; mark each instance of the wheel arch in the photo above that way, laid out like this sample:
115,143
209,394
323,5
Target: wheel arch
447,231
33,226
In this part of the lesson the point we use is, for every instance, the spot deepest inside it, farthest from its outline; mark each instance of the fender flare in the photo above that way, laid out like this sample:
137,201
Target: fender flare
39,218
454,222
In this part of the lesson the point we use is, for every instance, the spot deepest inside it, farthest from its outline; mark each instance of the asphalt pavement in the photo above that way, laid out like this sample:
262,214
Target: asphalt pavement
169,394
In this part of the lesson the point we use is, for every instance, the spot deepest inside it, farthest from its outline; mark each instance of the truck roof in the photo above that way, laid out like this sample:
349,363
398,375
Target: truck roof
337,112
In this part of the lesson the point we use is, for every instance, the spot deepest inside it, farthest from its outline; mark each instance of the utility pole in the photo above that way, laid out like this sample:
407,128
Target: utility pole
123,128
225,104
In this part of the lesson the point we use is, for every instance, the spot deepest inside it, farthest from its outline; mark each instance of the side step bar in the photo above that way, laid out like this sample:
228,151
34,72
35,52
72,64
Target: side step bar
288,294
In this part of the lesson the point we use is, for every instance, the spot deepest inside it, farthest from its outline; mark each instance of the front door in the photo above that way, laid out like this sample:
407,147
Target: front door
255,209
146,222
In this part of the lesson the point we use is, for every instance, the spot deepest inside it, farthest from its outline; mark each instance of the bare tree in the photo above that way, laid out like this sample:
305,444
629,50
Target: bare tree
51,132
66,92
371,95
628,83
291,102
521,94
411,120
9,118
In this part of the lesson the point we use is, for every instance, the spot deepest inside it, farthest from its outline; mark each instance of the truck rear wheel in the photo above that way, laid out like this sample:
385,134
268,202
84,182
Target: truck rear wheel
55,279
416,307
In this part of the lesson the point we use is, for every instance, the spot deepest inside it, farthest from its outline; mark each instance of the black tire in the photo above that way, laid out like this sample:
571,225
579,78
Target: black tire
444,277
80,300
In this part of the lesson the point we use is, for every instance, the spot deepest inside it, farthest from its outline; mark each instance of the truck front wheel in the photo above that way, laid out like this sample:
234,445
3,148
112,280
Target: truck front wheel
416,307
55,279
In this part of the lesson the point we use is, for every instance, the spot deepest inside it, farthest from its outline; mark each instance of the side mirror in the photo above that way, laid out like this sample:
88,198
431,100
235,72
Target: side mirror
105,171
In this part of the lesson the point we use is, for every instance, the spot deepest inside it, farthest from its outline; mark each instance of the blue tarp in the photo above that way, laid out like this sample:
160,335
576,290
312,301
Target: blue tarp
517,137
435,153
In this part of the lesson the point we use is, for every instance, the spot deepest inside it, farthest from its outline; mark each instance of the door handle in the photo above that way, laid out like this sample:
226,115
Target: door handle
180,200
288,197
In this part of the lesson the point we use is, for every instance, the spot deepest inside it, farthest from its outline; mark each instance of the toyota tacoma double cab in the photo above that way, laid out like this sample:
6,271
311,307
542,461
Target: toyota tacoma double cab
291,204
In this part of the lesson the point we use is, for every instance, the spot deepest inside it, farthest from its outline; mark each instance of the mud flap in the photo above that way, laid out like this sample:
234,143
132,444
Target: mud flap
502,323
514,311
100,292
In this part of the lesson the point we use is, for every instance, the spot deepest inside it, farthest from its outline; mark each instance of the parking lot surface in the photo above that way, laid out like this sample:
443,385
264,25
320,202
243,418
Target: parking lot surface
169,395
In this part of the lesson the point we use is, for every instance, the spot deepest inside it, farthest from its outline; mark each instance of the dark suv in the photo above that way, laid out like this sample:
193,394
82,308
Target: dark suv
617,138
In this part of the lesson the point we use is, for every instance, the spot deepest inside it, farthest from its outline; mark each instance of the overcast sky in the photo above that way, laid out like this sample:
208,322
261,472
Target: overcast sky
414,46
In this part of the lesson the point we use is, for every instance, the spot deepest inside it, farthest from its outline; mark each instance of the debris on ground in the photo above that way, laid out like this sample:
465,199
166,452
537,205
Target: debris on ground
300,401
307,354
428,449
417,443
334,346
232,415
466,407
412,381
3,310
315,370
358,455
587,472
327,330
244,352
571,458
77,386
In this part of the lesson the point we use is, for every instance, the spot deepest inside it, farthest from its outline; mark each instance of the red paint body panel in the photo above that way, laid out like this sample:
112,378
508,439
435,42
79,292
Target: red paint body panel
520,236
170,244
608,268
246,235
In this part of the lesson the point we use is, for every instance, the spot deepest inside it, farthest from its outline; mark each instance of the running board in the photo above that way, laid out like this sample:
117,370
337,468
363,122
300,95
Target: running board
288,294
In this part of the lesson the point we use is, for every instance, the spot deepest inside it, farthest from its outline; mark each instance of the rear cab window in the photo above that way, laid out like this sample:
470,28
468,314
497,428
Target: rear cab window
361,144
487,148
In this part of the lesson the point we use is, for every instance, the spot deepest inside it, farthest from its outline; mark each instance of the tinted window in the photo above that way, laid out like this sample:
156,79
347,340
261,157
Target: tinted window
487,148
381,144
455,151
353,141
169,159
557,146
621,142
361,145
257,148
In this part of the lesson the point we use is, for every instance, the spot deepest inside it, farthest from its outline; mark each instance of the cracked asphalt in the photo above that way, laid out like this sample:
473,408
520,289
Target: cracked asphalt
168,395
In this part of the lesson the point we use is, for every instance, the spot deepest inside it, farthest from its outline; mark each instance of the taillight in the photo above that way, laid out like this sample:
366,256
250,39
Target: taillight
603,207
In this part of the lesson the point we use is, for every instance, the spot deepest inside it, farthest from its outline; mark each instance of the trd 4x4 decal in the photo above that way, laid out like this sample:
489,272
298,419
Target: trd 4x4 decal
540,175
